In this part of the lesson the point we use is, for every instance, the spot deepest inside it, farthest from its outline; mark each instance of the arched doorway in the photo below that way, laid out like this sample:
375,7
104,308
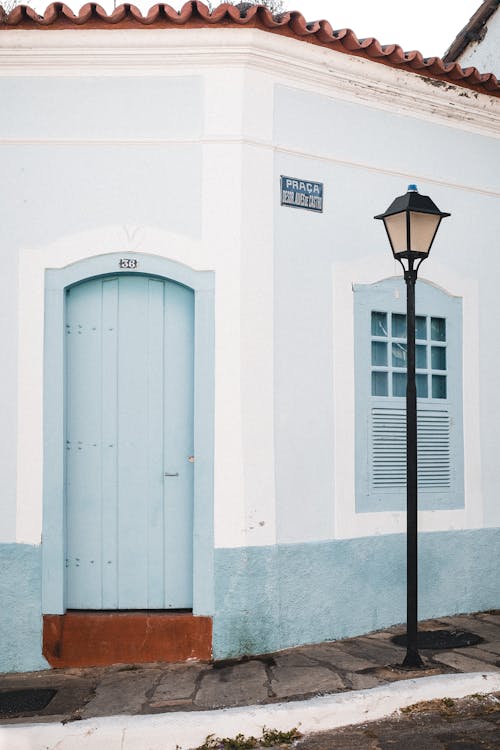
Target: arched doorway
127,542
129,443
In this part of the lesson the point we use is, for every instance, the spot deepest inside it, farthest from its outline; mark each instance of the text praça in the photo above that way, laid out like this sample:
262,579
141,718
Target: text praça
301,193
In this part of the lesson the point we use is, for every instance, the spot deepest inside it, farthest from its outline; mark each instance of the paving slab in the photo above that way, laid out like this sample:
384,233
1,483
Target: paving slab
238,685
376,651
295,658
463,663
493,617
339,658
487,630
355,681
124,692
386,635
292,682
177,686
491,646
482,654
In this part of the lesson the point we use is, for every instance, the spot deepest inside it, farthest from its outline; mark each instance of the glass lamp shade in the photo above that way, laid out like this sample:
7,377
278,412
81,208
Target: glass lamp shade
415,235
411,223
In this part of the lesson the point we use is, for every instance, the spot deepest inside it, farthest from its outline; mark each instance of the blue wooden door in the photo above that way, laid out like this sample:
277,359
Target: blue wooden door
129,441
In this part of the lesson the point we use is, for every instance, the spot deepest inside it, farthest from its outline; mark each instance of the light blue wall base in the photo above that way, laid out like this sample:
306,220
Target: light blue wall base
21,609
271,598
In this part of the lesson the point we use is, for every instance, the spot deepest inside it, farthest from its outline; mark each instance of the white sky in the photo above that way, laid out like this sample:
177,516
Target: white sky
427,25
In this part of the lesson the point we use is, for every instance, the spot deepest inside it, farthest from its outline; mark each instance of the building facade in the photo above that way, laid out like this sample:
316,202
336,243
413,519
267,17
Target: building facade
201,374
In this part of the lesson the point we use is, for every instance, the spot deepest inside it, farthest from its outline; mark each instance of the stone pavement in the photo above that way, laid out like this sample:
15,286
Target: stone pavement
299,673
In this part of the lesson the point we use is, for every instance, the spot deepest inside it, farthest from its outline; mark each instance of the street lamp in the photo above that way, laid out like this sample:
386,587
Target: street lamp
411,223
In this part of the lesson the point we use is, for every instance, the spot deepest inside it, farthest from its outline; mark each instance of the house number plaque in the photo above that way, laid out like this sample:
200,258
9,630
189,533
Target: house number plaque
128,262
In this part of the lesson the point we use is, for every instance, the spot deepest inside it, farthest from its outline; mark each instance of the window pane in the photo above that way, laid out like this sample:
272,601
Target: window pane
379,324
379,384
379,353
438,357
399,355
421,357
421,327
398,326
399,384
438,329
439,386
422,390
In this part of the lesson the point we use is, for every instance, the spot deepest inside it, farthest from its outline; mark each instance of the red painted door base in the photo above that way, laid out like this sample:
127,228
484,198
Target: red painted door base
87,639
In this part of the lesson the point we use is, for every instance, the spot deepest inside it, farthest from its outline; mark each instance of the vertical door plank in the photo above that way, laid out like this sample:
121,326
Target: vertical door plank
154,409
132,453
83,473
179,369
109,443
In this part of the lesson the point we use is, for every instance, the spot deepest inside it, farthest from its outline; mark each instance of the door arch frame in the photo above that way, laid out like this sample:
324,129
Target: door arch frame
53,528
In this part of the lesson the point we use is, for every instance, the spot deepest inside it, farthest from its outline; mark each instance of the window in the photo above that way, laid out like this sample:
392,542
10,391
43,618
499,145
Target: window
380,331
388,355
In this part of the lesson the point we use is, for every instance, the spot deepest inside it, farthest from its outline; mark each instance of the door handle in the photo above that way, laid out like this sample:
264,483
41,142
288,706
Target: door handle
166,474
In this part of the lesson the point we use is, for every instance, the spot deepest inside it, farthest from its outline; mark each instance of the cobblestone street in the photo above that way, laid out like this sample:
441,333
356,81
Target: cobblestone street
469,724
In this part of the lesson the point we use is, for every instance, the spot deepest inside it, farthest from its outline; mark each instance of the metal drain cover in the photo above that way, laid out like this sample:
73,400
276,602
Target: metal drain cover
441,639
14,702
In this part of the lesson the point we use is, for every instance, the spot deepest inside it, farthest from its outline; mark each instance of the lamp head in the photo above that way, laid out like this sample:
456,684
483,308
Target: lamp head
411,223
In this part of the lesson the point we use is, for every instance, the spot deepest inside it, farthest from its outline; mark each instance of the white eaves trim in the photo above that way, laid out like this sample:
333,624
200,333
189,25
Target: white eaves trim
142,52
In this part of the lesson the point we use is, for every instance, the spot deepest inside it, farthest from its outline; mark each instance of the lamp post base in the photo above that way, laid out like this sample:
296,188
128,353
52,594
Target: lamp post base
412,659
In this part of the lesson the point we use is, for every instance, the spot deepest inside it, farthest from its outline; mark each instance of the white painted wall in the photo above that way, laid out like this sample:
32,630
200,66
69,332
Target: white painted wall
172,144
485,54
366,157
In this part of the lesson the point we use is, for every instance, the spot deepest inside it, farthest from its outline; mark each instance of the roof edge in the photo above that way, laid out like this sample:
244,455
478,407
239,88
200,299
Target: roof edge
471,32
292,24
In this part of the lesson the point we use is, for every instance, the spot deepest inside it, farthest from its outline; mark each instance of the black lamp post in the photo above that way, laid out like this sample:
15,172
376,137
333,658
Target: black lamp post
411,223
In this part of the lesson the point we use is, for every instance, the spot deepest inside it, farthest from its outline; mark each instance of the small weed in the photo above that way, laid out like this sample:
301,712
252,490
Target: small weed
269,738
437,704
240,742
272,737
410,709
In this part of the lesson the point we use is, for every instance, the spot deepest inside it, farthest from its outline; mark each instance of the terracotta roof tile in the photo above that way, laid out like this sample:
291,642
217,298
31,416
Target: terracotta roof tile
292,24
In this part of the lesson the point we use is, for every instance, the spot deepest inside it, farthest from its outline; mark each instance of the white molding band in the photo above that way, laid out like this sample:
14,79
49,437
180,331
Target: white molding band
145,52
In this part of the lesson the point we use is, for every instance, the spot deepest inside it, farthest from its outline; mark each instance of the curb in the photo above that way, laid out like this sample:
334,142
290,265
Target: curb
187,729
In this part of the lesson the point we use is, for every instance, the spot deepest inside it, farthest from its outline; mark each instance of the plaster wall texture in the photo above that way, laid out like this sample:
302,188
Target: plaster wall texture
93,158
271,598
484,54
21,614
140,190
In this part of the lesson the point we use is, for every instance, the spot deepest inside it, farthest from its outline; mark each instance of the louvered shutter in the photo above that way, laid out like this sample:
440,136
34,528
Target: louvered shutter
388,448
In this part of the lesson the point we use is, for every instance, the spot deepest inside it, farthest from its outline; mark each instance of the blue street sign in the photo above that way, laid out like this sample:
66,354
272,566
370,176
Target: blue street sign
299,193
